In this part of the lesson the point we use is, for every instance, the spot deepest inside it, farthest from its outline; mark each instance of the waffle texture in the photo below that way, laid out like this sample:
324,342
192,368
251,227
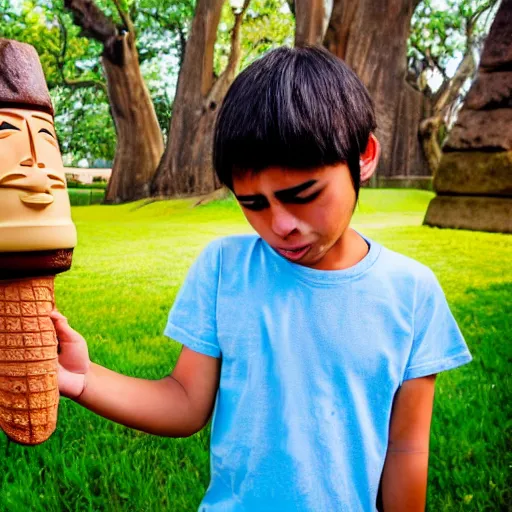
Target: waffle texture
29,394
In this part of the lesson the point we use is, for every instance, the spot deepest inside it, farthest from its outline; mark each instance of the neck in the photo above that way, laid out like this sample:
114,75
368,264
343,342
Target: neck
348,250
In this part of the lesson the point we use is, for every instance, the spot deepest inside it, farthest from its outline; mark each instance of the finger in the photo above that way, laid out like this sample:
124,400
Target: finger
65,333
57,315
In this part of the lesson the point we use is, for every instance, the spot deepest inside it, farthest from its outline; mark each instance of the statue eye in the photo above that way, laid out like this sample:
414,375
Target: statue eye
8,126
44,130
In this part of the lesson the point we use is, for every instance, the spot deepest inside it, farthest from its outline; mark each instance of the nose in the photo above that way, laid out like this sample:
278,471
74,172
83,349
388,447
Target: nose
283,222
33,159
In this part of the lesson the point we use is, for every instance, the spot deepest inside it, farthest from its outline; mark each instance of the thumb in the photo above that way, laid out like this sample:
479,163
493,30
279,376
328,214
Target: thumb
73,351
71,385
65,333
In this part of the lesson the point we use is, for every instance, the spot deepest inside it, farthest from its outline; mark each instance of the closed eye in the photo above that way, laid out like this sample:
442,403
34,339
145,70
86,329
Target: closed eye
44,130
7,129
302,200
8,126
255,205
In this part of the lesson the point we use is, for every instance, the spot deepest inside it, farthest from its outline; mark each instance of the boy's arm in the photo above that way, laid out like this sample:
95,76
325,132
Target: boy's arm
404,478
177,406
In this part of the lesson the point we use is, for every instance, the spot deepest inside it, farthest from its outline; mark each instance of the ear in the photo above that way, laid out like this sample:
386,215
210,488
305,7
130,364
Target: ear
370,158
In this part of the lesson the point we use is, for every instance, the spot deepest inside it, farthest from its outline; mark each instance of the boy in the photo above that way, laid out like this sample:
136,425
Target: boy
316,346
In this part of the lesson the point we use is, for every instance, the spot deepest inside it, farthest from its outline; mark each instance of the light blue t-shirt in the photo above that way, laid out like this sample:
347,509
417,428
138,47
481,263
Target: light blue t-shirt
311,361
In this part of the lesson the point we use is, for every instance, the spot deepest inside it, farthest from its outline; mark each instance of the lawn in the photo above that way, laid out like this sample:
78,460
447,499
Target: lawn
127,269
85,196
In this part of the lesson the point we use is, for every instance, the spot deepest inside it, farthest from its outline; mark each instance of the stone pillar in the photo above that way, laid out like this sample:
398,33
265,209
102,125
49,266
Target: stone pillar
474,178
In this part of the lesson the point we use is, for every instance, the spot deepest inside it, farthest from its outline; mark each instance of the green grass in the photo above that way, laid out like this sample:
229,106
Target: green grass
85,196
127,268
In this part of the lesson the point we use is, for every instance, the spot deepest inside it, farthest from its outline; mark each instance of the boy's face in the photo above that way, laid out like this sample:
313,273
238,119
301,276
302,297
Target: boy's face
302,214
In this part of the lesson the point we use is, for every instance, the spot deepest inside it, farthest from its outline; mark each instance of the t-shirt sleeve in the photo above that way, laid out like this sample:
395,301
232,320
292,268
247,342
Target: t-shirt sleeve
438,344
192,319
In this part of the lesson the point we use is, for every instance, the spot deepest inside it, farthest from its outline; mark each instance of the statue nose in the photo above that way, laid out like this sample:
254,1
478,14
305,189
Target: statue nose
29,162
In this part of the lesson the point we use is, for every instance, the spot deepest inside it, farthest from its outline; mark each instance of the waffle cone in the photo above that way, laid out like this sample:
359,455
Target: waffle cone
29,394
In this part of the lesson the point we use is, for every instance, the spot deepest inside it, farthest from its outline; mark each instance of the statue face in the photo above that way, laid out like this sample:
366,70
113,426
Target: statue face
34,204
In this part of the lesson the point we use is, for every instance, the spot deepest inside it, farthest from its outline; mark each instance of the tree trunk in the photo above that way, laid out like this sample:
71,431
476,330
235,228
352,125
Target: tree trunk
186,167
408,160
312,20
139,138
372,39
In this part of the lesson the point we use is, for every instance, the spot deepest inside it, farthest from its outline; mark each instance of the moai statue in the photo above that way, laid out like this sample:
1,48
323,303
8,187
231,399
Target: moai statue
37,238
474,178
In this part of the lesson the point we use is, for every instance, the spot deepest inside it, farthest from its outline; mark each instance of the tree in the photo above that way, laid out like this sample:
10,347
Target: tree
212,58
139,139
183,169
436,38
312,19
373,39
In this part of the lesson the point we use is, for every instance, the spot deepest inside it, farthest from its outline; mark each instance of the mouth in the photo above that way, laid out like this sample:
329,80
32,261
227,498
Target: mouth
295,253
37,199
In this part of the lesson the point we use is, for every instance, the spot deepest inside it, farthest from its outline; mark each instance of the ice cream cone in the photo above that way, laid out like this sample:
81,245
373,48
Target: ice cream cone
29,394
37,237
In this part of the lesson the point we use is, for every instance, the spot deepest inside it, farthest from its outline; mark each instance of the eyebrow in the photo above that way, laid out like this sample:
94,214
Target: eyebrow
42,118
12,114
282,194
22,118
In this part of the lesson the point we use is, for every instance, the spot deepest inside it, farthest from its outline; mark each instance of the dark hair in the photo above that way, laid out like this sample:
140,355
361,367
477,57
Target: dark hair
296,108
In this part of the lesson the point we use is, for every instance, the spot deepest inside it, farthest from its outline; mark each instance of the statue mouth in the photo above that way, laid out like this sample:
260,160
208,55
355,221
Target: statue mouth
34,187
37,199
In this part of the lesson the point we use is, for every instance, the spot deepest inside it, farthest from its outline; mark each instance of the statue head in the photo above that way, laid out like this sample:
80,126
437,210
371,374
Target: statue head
35,213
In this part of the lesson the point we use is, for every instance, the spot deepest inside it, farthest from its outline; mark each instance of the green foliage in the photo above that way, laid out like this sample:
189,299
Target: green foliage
127,268
84,125
83,120
267,24
443,31
47,25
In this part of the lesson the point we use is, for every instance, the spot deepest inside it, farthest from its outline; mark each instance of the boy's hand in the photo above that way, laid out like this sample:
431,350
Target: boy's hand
74,362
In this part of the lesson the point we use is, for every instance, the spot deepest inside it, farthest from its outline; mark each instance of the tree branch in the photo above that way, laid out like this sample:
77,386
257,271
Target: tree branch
94,23
125,17
61,59
443,109
472,20
81,84
234,55
226,77
464,70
